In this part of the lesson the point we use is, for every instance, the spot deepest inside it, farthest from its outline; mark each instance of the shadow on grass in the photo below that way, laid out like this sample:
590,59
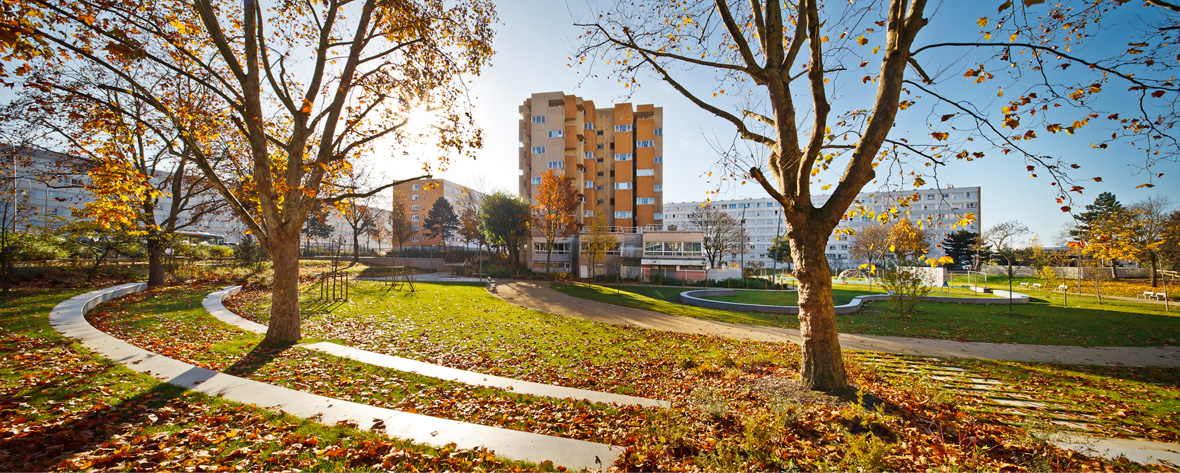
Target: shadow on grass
260,356
46,446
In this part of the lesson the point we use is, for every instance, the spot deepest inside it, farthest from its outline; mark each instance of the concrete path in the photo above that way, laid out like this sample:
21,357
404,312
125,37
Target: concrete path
213,303
538,295
68,318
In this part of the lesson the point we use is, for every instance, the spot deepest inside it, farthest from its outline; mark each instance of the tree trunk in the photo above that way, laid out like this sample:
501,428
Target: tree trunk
1154,268
356,246
284,326
823,364
549,259
155,251
97,263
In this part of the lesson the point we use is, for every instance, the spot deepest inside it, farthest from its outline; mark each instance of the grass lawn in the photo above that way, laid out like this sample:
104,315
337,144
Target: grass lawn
1043,321
63,408
196,337
733,408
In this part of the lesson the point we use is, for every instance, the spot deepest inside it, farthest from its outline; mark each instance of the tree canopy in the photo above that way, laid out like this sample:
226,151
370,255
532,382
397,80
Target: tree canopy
441,221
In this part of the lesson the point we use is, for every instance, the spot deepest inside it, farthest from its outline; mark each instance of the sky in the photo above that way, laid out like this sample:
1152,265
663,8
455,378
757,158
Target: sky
535,41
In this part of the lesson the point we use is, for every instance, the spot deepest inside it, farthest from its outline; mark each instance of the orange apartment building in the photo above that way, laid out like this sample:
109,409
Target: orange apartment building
419,196
615,156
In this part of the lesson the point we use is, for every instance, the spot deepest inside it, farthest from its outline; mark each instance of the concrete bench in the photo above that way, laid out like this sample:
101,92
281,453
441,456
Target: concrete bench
1036,285
1024,285
1062,288
1146,295
1159,296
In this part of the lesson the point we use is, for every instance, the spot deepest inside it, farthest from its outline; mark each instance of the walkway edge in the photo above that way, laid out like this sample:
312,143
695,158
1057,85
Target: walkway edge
697,298
214,304
69,319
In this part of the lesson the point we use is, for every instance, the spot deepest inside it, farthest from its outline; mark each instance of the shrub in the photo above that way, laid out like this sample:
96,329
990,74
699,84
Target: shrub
906,289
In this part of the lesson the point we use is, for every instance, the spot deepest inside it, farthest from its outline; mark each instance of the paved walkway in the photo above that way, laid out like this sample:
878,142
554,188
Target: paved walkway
68,318
538,295
213,303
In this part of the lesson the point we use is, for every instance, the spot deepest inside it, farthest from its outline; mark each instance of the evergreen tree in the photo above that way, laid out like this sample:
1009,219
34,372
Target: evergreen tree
960,246
441,221
780,250
1105,205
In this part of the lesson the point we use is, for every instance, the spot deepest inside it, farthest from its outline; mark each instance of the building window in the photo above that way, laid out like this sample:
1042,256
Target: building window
414,227
929,196
645,144
600,146
970,205
588,213
414,197
588,184
645,201
536,181
556,134
415,187
623,214
589,155
599,202
968,195
657,215
622,128
413,218
659,160
556,164
538,150
645,172
415,239
414,207
658,188
540,119
589,125
598,188
622,156
622,186
658,132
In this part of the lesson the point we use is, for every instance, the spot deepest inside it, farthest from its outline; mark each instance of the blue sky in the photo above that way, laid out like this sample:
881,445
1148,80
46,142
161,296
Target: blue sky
537,37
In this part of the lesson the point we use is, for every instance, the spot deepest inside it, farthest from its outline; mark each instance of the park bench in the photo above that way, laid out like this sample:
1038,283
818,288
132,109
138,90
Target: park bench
491,285
1159,296
1024,285
1036,286
1062,288
1146,295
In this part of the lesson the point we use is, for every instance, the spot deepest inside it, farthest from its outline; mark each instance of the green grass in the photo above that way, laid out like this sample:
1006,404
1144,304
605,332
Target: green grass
196,337
1043,321
70,409
666,299
785,298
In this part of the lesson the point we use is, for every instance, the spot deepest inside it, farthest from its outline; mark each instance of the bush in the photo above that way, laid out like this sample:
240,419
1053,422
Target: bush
40,247
905,288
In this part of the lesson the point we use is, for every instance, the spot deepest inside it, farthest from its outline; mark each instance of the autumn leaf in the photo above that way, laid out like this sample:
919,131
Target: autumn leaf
940,135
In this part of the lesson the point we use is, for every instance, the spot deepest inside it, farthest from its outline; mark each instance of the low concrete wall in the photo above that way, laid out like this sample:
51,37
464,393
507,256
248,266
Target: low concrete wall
697,298
430,264
1068,271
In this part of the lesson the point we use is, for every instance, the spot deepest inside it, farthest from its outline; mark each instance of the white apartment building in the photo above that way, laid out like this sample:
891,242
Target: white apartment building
762,219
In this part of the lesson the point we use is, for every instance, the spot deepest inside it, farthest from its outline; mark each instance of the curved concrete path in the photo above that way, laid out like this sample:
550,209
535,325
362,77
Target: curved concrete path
214,304
68,318
538,295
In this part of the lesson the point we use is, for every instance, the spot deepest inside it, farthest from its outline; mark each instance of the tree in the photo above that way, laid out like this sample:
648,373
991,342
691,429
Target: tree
1103,230
1170,250
363,69
441,221
554,205
780,250
870,244
1001,238
400,227
597,243
101,241
469,219
723,234
504,221
959,246
316,226
1148,231
782,64
361,218
907,242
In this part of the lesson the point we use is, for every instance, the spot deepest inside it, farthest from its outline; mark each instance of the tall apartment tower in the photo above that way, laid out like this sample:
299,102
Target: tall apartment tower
613,155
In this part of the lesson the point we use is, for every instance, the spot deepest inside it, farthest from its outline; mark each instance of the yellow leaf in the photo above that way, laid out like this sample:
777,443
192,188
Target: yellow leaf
982,22
862,41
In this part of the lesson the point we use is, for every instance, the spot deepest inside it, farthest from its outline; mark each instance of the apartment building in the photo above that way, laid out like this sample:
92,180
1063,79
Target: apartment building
762,219
613,155
419,196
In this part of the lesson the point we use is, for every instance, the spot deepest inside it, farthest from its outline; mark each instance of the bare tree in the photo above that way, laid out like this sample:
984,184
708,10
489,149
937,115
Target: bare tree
775,68
723,234
1002,236
1148,229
